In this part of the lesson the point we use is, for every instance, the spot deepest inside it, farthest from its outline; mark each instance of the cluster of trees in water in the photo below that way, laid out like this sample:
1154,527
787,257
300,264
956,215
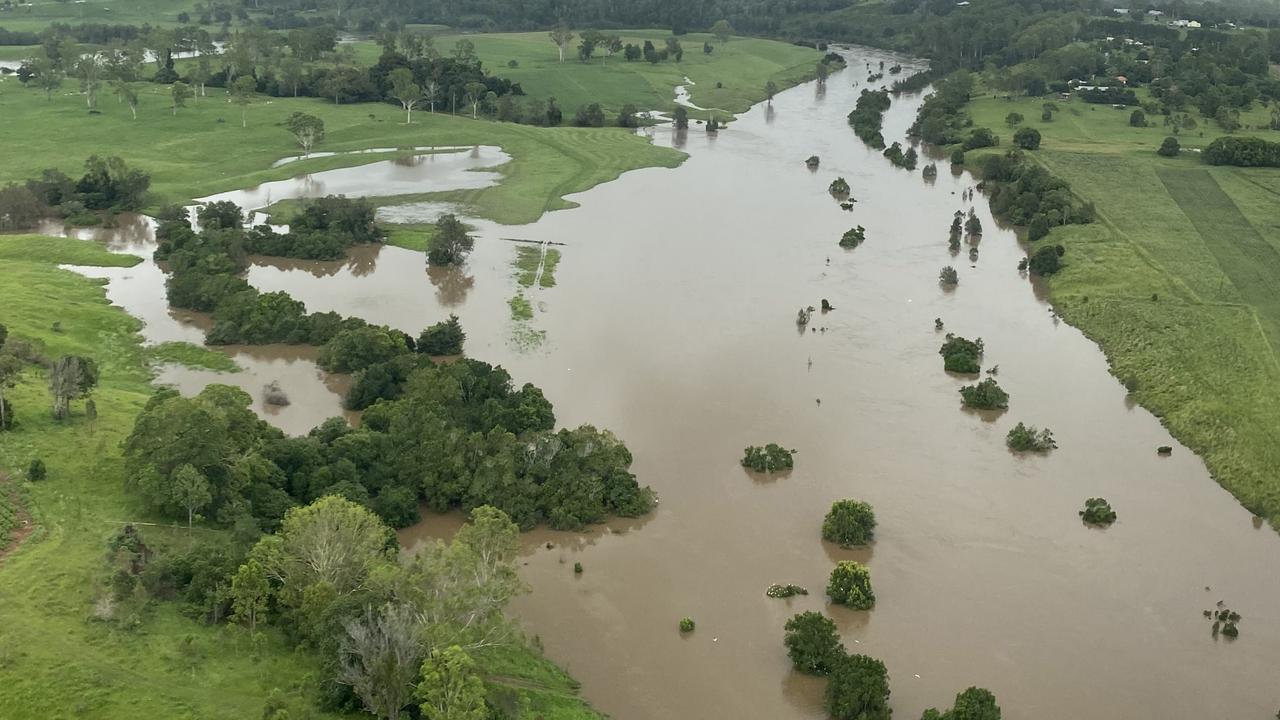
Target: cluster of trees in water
858,685
106,185
456,435
867,116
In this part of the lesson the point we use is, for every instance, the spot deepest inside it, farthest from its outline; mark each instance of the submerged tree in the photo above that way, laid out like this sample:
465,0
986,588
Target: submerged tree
813,644
853,237
961,355
973,704
849,523
858,689
770,458
1029,438
451,243
948,277
1097,511
850,585
986,395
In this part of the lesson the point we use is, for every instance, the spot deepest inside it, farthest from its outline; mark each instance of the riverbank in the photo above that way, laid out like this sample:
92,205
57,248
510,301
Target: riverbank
56,656
1176,279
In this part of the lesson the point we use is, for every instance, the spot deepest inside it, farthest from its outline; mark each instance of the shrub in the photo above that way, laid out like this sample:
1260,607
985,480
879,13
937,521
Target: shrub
1013,119
1038,228
858,689
813,643
1027,438
36,470
986,395
948,276
577,568
784,591
443,338
1046,261
686,625
850,585
848,523
770,458
961,355
1097,511
1138,119
1027,138
957,157
853,237
1170,147
980,138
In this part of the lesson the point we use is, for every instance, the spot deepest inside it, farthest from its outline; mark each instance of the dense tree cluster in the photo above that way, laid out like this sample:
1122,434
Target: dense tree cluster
205,269
324,229
961,355
850,585
813,643
1046,260
868,116
458,435
985,395
1024,190
849,523
1029,438
972,704
770,458
1097,511
1243,152
906,160
941,119
858,689
107,185
853,237
396,633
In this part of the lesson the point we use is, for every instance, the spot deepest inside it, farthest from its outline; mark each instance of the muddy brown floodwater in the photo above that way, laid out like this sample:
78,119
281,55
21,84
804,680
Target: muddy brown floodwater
673,324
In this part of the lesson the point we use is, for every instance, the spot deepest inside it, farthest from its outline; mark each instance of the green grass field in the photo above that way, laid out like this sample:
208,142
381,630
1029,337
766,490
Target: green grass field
1176,281
55,660
40,15
741,65
203,149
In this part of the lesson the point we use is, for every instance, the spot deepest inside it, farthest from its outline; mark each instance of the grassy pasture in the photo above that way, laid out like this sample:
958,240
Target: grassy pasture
742,66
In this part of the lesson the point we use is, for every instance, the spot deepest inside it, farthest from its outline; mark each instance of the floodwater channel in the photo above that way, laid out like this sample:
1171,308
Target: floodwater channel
672,323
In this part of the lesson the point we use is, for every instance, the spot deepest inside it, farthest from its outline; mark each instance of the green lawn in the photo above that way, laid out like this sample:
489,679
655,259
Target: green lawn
1176,281
741,65
55,660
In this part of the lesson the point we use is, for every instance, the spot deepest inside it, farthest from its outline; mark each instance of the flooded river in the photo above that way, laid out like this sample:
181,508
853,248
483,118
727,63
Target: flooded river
673,323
